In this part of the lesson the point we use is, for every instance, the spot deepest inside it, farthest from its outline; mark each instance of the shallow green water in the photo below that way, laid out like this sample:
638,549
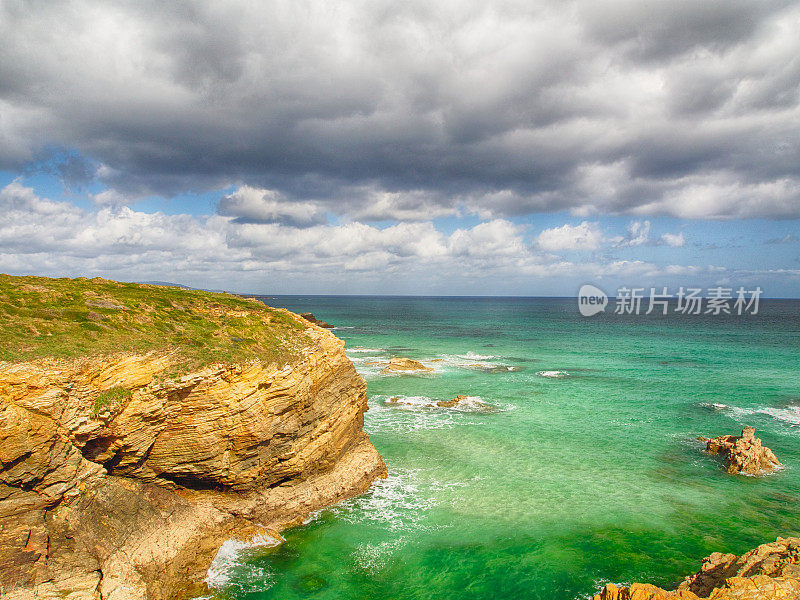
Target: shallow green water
590,477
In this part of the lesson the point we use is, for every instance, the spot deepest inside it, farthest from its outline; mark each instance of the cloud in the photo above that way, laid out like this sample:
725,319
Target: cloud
254,205
720,196
589,236
586,236
672,239
786,239
38,235
638,234
370,204
109,198
690,109
30,225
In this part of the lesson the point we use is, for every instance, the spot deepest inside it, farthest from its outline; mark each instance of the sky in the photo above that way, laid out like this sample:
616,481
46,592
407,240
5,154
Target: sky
416,147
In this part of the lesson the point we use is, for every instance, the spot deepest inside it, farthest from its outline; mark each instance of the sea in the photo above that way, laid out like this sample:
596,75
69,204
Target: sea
587,469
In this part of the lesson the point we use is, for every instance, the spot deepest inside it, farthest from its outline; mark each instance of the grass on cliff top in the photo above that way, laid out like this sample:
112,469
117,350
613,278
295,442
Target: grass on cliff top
70,318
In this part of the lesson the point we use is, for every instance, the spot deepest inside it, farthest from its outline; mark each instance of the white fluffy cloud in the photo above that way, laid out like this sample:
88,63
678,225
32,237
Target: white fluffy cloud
38,235
586,236
589,236
254,205
676,240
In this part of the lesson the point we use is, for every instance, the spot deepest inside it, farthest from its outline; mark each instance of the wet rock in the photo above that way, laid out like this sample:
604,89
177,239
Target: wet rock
769,572
405,365
457,401
312,319
777,559
461,401
744,453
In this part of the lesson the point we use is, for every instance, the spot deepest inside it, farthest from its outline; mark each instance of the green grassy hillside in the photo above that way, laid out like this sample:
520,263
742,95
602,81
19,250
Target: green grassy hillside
69,318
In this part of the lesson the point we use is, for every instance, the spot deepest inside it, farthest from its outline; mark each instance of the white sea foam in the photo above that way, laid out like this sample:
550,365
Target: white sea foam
373,557
378,360
398,502
381,418
472,404
361,349
470,360
715,406
395,502
468,404
473,356
415,416
790,414
407,402
554,374
227,568
369,371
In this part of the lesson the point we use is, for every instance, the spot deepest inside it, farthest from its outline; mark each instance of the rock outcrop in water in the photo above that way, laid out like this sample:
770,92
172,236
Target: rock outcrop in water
769,572
744,453
405,365
120,483
312,319
461,401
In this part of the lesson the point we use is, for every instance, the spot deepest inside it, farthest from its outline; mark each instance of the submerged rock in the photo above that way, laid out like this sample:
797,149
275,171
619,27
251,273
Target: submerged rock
769,572
312,319
454,402
744,453
399,365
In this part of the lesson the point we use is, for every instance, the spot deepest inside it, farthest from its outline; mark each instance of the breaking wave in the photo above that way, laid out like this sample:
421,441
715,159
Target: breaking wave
229,569
553,374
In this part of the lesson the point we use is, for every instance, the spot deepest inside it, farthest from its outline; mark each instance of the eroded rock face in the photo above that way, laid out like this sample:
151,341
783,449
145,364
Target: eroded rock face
133,499
769,572
400,365
744,453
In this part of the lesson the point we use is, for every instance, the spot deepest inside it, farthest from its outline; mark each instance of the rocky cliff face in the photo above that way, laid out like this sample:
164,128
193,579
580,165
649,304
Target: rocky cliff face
769,572
118,482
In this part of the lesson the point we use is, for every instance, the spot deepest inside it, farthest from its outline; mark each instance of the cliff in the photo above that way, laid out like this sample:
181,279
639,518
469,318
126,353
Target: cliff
123,472
769,572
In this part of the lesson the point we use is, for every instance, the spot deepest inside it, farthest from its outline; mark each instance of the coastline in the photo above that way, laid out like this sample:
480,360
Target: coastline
151,525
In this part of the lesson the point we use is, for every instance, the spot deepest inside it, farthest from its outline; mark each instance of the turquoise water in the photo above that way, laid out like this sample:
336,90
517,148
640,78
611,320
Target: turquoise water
591,476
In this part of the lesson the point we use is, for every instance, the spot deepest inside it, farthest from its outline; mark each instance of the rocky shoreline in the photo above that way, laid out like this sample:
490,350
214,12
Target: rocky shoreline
132,500
768,572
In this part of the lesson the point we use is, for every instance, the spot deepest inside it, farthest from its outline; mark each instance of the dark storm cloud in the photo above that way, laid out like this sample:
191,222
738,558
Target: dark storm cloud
662,31
401,111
